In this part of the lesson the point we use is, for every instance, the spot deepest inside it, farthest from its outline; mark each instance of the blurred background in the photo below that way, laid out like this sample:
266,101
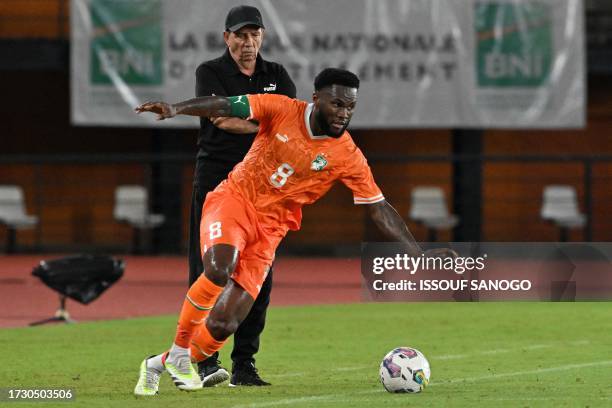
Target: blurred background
461,182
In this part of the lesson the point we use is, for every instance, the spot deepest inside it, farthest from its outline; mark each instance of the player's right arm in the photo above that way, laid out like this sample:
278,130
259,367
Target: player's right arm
207,106
358,177
392,225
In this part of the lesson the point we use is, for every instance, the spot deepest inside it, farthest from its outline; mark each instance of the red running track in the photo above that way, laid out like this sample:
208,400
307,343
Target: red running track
156,285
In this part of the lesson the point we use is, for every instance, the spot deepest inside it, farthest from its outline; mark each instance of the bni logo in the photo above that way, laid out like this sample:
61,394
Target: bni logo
513,43
126,43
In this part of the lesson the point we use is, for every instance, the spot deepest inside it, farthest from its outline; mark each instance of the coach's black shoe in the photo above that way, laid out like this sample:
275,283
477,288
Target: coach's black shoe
245,374
211,372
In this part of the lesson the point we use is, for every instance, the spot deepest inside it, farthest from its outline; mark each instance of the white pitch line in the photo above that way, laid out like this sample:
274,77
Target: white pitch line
493,352
292,401
355,368
538,346
502,351
526,372
451,357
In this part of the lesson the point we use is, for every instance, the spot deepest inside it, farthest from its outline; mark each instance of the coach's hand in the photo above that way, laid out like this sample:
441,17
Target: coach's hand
440,253
162,109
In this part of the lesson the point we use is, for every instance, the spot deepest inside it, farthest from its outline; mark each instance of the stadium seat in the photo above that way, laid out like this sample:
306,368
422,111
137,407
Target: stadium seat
560,206
428,207
13,214
132,208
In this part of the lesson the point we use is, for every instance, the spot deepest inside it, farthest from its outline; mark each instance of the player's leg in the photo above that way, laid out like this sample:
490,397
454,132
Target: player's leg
224,232
152,367
229,311
210,369
219,262
226,228
238,297
246,340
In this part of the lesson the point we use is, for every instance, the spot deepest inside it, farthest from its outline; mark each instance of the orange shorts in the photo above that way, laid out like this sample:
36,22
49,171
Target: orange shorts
227,218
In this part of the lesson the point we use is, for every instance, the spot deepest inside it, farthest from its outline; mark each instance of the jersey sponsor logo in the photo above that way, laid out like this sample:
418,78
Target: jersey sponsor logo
270,88
282,138
319,163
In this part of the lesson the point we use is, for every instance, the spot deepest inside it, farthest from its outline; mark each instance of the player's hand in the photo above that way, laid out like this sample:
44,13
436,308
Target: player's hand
441,253
162,109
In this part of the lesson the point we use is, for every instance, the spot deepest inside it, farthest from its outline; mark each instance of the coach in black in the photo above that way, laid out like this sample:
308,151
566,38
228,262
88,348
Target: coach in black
223,142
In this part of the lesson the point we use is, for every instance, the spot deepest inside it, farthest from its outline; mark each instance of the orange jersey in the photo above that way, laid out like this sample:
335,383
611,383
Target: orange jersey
287,167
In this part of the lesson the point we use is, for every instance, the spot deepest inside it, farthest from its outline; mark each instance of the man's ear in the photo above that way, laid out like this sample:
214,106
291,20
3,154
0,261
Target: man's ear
226,35
315,97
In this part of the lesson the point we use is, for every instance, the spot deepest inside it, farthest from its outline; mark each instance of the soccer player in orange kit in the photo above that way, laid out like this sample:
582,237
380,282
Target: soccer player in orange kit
301,150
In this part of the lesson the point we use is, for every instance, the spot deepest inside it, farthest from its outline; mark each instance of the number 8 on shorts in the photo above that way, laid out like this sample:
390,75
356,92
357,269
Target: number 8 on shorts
215,230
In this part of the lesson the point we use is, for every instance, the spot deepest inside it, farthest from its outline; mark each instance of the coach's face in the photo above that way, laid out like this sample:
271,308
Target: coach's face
333,108
244,44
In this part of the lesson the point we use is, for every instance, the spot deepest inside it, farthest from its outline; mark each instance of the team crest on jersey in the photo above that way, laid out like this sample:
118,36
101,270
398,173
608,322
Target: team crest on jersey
318,163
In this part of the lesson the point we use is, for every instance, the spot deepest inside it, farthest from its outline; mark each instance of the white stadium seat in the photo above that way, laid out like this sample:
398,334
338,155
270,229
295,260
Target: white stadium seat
13,213
428,207
132,207
560,206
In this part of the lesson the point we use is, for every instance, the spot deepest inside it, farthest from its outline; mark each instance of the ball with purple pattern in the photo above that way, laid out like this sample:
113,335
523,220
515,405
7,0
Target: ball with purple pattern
404,369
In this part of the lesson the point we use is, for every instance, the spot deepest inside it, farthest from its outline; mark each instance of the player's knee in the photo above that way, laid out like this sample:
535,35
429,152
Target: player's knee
218,273
219,263
222,327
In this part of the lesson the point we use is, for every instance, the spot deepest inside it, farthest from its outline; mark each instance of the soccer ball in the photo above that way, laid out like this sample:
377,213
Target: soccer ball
404,369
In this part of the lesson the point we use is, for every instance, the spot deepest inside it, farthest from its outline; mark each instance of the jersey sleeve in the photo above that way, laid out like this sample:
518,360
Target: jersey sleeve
265,107
357,176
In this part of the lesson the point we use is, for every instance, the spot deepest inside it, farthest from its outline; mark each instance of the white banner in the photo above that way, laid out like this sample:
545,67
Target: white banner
422,63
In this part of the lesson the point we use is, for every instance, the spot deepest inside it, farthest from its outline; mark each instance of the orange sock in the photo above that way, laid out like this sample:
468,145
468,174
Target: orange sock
204,345
200,299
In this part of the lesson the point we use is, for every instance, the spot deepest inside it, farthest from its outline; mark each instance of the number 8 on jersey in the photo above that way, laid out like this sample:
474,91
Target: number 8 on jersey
279,178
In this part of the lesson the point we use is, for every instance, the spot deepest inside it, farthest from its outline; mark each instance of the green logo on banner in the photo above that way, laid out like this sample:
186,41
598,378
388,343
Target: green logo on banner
514,43
126,42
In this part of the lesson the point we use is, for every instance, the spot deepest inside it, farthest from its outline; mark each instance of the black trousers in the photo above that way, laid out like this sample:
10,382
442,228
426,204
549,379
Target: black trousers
246,338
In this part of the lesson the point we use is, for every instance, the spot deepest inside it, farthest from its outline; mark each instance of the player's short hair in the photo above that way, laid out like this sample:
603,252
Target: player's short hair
336,76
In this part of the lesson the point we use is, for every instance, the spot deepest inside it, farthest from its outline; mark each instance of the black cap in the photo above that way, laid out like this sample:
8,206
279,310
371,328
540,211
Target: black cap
241,16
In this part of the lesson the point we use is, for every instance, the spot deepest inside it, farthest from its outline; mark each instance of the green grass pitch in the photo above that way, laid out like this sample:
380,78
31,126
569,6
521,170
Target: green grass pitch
481,354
